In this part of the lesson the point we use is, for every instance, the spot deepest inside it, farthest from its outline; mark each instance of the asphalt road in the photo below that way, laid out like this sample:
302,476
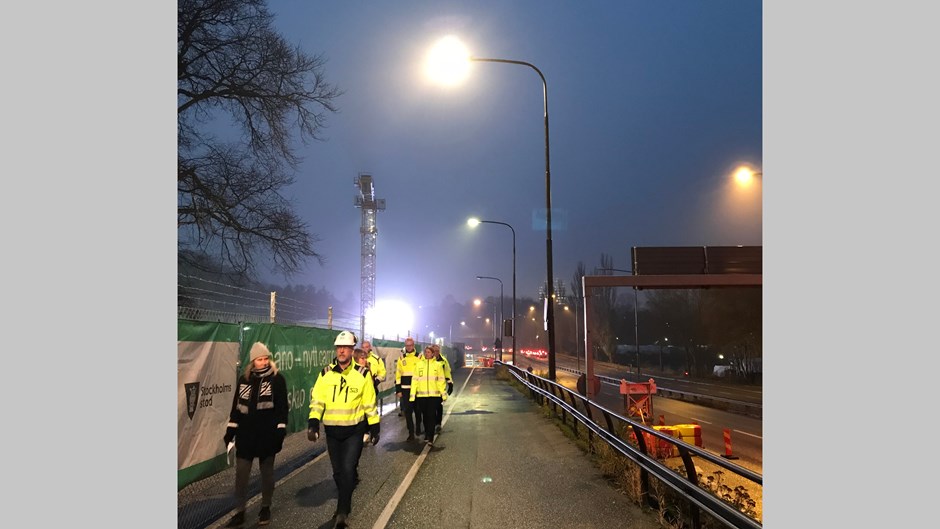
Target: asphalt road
498,462
746,433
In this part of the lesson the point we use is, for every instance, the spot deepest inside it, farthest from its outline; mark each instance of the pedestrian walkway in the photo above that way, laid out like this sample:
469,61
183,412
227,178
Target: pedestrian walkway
499,462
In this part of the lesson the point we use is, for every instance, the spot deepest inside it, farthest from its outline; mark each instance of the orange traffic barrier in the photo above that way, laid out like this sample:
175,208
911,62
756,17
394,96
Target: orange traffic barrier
690,433
727,453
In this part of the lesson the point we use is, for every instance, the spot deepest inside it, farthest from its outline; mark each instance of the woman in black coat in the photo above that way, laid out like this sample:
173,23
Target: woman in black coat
258,425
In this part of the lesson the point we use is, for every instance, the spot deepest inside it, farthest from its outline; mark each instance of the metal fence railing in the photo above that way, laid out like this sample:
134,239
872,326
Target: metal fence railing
610,427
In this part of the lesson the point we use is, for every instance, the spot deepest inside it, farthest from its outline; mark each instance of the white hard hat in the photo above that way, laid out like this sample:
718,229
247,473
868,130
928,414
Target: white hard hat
345,338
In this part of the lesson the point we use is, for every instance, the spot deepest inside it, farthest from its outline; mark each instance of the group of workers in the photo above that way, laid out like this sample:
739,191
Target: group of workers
422,384
344,400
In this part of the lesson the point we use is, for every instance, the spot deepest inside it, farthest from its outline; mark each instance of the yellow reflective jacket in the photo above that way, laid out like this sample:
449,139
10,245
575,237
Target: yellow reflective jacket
404,368
443,359
343,397
428,379
377,366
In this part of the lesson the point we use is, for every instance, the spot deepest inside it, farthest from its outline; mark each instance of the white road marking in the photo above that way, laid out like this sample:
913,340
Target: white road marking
386,515
749,434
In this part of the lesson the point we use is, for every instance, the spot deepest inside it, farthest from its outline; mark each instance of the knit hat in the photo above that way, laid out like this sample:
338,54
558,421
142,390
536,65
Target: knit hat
258,350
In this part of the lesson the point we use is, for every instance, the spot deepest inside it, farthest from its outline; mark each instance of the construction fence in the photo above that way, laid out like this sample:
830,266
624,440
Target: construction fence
211,356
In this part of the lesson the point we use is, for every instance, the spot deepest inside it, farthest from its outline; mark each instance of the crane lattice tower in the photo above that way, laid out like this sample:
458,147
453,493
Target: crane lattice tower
369,205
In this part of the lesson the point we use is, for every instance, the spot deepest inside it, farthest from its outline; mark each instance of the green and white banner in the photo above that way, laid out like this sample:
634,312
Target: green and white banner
210,357
207,357
300,353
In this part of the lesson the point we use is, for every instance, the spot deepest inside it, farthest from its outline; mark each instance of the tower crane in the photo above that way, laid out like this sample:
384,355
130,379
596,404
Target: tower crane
366,201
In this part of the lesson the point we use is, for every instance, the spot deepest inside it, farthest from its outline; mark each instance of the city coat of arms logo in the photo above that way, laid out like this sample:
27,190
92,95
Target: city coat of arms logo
192,397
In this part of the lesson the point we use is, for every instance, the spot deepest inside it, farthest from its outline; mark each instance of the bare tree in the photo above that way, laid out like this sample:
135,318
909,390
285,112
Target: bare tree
233,65
682,309
604,312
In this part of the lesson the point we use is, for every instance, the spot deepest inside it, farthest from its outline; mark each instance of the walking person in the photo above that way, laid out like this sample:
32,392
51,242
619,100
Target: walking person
404,369
377,367
257,425
361,358
428,390
439,413
343,399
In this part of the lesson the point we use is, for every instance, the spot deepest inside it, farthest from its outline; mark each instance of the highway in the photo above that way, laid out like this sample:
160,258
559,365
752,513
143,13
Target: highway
746,432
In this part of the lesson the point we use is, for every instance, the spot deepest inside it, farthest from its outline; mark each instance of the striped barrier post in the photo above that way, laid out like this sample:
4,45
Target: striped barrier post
727,454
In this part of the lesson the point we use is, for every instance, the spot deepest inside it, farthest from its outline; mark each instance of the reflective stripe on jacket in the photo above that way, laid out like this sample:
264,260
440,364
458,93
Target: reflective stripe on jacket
404,369
343,397
428,379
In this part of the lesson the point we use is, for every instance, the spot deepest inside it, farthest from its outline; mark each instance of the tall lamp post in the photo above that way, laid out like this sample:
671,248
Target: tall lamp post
451,56
476,303
474,222
500,312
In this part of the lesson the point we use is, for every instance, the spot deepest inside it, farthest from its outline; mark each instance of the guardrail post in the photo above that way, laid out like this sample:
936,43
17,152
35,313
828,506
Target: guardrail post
693,479
644,474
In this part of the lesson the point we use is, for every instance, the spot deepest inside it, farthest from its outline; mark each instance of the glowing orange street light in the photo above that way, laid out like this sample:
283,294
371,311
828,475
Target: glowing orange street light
745,175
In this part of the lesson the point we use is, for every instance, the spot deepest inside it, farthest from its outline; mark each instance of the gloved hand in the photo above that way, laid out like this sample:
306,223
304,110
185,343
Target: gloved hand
229,435
374,433
279,435
313,429
450,387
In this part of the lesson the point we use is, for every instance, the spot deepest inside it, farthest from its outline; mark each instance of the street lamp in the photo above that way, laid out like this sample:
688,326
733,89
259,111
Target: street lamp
477,302
474,222
661,368
500,312
450,56
745,175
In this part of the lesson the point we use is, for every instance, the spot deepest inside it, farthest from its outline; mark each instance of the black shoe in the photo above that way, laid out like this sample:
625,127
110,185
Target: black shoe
341,521
437,429
411,437
429,442
237,520
264,517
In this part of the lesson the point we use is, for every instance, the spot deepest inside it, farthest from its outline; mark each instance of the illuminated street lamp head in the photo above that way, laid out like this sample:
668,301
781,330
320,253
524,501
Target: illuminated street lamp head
476,302
744,175
448,62
473,222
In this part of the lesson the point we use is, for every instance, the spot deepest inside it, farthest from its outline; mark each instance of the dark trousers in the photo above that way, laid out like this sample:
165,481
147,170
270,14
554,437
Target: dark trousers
243,471
428,407
344,456
412,412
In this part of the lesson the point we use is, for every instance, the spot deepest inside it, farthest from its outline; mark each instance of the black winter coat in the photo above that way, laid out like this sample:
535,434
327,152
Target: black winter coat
259,405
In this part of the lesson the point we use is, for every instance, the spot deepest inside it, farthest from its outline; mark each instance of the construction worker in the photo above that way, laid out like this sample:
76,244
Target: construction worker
361,358
404,369
343,399
377,367
439,415
428,390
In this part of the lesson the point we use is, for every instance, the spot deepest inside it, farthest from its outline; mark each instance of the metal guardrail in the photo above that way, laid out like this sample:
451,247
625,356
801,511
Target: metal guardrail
747,408
686,486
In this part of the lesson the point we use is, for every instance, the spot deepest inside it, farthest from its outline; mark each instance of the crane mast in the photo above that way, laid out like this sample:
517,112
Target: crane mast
370,205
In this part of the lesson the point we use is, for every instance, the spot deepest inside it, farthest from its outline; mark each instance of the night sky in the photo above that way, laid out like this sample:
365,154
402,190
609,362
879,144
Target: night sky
652,103
651,107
